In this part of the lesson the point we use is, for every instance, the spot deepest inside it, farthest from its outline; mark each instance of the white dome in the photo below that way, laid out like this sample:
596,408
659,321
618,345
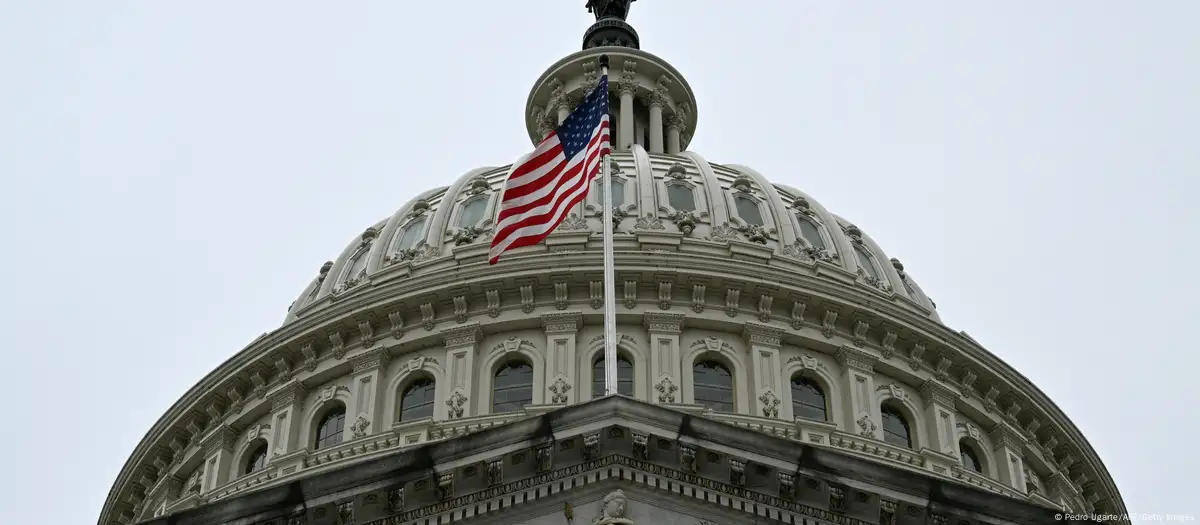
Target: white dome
734,212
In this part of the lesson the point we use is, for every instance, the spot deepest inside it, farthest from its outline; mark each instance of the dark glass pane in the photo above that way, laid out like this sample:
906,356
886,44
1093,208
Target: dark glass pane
969,460
809,231
681,197
713,386
808,400
624,377
864,261
329,432
618,197
411,233
417,400
748,210
895,428
257,459
512,388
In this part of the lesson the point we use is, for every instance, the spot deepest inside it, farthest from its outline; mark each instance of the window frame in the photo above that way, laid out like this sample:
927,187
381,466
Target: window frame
814,383
697,385
598,383
337,411
899,415
420,381
495,388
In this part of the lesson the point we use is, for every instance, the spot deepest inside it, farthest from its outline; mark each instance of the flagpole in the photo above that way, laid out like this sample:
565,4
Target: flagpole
610,285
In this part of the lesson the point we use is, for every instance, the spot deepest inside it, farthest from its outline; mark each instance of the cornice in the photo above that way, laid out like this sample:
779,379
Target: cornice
697,265
373,359
934,391
291,393
465,335
222,437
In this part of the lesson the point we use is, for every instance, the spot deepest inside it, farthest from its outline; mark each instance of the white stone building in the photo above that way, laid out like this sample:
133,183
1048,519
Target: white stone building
775,365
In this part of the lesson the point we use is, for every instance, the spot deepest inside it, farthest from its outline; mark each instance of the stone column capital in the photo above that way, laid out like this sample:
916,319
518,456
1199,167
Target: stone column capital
663,322
370,360
290,394
459,336
934,391
1004,436
221,438
562,322
851,357
762,335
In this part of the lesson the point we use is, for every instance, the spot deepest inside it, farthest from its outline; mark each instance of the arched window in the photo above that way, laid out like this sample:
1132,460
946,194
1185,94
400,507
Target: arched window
411,234
681,197
747,210
624,377
970,459
713,386
895,427
472,212
417,400
864,262
329,430
809,231
357,265
808,400
512,387
256,460
618,198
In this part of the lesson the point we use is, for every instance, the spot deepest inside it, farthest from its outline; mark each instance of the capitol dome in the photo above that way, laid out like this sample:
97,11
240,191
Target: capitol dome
746,310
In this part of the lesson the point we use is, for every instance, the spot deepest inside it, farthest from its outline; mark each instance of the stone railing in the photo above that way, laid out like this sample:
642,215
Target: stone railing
242,483
877,449
983,482
461,427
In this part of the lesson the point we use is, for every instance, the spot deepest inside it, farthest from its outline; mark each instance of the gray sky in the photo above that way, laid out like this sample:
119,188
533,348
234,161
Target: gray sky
175,173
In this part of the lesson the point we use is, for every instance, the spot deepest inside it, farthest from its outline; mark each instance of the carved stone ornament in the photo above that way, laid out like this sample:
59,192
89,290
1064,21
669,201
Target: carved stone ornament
573,222
455,404
757,234
418,209
360,426
561,390
723,233
649,222
866,427
804,252
612,510
468,235
770,404
684,220
666,390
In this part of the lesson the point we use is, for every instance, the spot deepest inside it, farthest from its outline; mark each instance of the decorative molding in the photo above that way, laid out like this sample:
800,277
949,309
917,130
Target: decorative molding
762,335
936,392
851,357
562,322
369,360
663,323
465,335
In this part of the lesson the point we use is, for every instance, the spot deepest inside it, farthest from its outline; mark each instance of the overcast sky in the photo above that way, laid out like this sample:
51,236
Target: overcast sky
176,172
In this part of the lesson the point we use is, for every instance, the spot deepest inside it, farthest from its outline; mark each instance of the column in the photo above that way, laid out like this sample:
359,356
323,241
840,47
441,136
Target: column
365,413
765,368
656,122
626,88
666,381
941,423
461,343
858,374
564,106
562,387
217,449
286,405
1007,445
674,124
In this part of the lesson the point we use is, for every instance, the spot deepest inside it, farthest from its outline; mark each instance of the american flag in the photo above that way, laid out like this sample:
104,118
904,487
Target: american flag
547,183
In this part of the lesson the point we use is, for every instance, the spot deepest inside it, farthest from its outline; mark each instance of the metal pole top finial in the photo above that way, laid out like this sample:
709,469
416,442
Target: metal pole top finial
604,61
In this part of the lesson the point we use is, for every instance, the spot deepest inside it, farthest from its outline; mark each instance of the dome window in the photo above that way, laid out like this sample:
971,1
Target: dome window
748,211
812,234
624,377
329,430
618,197
410,234
472,212
681,197
864,262
512,387
417,400
895,427
713,386
808,399
257,459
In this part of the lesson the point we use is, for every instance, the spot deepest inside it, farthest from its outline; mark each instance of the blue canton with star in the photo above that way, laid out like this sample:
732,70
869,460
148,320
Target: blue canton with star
576,131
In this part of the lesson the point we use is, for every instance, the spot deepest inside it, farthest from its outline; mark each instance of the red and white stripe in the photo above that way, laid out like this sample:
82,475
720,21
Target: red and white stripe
543,187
